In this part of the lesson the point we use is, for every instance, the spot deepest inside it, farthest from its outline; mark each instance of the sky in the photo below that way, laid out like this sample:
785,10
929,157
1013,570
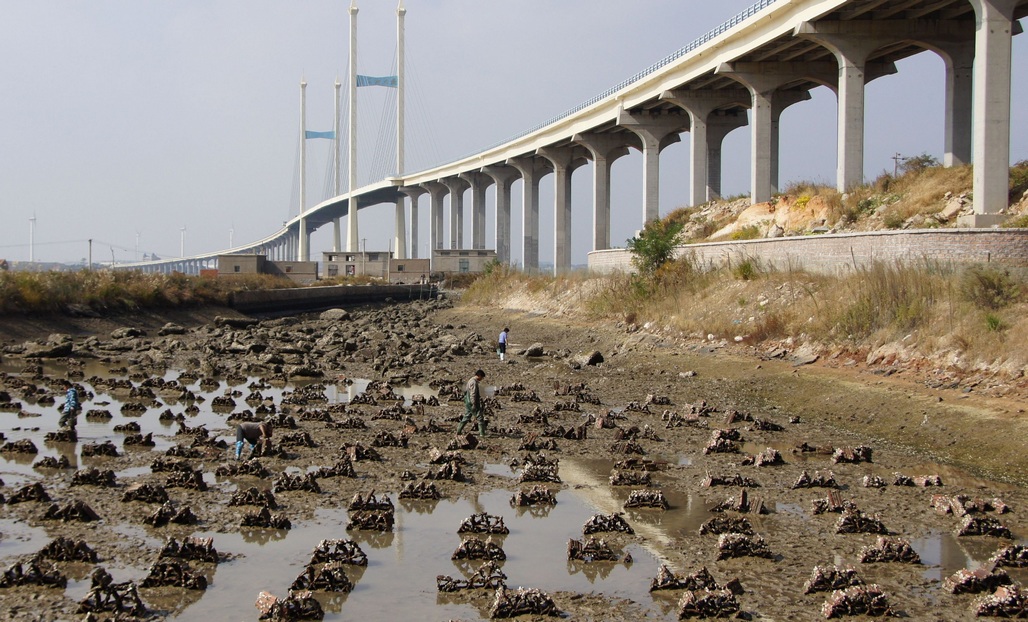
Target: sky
171,127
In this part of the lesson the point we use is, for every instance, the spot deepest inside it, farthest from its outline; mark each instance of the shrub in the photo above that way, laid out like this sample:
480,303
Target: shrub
892,219
1018,180
746,270
750,232
989,288
918,163
993,322
490,266
655,245
1018,222
868,205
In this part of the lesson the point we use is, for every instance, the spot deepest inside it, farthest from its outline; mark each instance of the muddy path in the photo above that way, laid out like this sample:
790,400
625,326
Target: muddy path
973,445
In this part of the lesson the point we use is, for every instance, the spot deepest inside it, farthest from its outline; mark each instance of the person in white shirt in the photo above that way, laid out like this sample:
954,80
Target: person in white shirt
502,347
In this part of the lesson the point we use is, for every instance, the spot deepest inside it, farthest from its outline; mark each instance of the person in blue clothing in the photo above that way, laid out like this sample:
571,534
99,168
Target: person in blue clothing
70,411
501,348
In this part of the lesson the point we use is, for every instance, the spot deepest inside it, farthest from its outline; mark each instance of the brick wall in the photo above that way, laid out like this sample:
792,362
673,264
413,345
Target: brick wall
841,252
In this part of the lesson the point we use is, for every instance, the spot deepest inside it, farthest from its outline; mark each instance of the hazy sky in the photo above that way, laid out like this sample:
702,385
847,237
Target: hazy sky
125,121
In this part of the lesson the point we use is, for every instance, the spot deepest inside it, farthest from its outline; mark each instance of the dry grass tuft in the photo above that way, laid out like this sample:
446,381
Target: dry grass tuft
116,290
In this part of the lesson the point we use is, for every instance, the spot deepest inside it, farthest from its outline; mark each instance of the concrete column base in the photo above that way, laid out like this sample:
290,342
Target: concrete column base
982,221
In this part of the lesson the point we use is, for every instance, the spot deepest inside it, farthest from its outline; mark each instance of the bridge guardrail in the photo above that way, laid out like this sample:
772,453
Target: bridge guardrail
704,39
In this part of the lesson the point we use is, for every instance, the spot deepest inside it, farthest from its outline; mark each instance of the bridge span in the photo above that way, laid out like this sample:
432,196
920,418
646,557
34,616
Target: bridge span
744,73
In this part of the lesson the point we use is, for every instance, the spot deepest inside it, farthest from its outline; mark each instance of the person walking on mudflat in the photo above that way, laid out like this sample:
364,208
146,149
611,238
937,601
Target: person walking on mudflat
502,347
70,411
473,406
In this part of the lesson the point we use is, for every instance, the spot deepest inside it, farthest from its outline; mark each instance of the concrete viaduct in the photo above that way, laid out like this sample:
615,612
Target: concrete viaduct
745,72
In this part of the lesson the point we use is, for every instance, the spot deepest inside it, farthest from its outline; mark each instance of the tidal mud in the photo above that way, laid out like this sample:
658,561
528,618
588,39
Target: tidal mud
366,402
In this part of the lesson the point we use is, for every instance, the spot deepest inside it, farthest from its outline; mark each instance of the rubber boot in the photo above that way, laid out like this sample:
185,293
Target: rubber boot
481,429
239,449
460,428
501,358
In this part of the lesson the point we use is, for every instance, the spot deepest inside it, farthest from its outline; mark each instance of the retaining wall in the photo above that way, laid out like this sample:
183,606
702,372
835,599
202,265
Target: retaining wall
840,252
317,298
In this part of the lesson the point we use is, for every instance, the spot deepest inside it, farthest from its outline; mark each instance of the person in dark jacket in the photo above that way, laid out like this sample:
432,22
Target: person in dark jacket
473,406
253,433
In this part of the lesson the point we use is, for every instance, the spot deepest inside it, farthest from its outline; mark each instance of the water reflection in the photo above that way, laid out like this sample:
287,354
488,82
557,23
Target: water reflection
170,601
22,460
533,511
589,478
261,536
374,539
592,570
419,506
332,602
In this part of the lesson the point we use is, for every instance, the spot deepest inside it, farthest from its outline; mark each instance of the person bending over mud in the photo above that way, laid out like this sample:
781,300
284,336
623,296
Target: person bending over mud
253,433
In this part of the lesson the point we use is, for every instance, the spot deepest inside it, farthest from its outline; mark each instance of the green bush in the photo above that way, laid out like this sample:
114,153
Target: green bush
993,322
746,270
655,245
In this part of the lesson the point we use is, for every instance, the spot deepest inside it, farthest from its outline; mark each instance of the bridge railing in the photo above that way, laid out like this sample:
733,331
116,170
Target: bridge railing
703,40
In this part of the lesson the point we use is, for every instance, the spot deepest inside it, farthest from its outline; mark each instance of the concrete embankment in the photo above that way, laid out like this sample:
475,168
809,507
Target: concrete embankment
317,298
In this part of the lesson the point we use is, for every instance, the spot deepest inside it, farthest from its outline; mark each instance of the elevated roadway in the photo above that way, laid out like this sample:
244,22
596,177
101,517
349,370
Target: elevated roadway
744,73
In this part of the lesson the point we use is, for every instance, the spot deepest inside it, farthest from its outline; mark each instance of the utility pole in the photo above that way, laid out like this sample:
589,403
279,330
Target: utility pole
896,159
337,187
32,238
90,254
302,249
182,242
351,201
400,213
364,257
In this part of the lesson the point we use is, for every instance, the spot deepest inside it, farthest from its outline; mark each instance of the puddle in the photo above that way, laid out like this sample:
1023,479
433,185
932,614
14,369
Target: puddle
18,539
499,470
589,479
402,565
944,553
337,393
17,468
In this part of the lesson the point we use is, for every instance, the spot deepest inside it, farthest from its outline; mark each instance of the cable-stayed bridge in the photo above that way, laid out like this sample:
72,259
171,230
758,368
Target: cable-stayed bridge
743,73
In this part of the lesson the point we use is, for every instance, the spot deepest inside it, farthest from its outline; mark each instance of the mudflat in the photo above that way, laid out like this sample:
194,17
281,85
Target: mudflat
694,419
